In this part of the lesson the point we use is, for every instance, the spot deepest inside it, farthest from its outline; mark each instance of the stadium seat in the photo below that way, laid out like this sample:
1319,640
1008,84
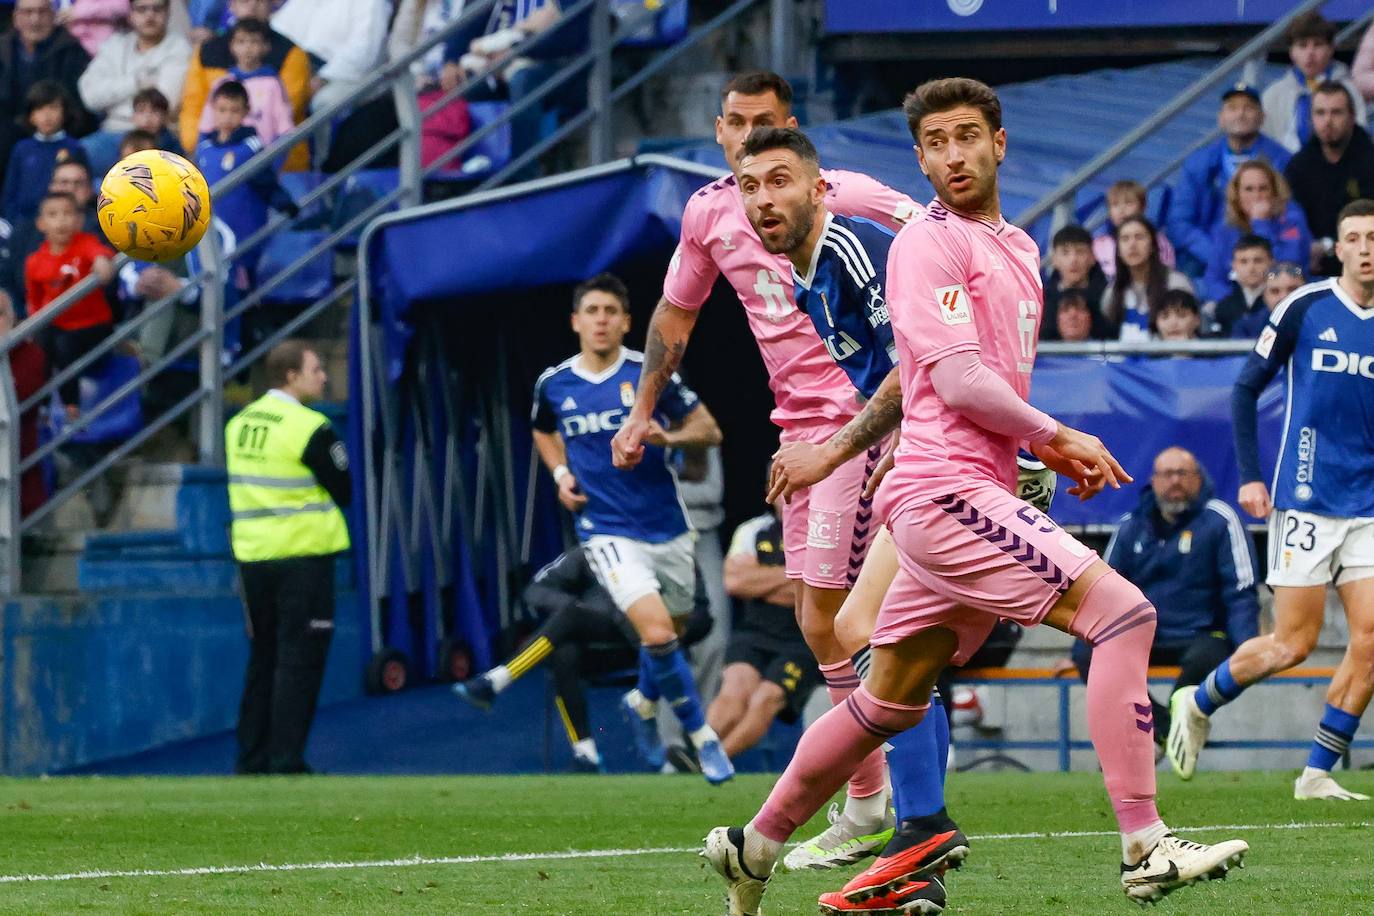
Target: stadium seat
667,29
119,422
310,282
360,191
496,145
298,185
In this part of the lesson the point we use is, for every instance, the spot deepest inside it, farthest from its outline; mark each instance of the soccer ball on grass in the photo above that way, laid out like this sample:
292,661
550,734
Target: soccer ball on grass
154,205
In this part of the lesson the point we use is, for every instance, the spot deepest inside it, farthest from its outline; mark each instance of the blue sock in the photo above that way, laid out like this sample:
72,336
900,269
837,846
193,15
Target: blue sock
1217,689
675,683
647,686
916,765
1334,735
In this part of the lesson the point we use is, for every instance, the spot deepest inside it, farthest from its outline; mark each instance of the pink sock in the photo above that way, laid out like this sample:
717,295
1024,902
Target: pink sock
1115,619
829,751
868,778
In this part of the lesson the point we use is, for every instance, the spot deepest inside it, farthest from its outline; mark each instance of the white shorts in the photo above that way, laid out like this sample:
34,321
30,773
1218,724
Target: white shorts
631,569
1307,549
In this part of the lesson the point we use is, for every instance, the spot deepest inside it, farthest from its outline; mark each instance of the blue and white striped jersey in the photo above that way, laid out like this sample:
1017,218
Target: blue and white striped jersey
844,293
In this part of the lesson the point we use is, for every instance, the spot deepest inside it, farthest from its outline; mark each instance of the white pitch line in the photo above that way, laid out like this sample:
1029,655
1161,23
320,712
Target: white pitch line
412,861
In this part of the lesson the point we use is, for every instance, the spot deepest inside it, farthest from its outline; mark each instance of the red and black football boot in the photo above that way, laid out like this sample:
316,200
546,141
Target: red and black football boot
921,895
920,848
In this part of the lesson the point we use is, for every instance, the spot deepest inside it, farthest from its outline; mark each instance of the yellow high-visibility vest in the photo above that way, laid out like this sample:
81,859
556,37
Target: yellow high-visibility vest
279,509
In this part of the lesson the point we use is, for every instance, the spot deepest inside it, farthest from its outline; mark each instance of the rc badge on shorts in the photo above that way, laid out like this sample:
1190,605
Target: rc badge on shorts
823,528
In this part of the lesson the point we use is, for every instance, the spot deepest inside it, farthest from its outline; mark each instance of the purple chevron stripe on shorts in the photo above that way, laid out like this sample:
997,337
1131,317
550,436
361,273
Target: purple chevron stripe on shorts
863,520
1010,543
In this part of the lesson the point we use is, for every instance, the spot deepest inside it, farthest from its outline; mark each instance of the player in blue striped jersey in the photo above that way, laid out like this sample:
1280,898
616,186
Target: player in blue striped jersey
1321,518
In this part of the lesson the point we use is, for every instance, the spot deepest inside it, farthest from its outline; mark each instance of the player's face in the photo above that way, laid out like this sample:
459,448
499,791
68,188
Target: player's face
1178,324
1240,117
1279,286
73,180
1332,120
1311,55
310,381
781,194
1073,262
1355,248
1074,322
740,114
960,152
1176,476
600,322
58,220
1133,244
1250,265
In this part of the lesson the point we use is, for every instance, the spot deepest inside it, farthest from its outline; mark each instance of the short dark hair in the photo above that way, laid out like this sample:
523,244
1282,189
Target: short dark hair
1311,25
231,89
1362,207
757,82
251,27
1072,234
79,163
59,195
1250,240
43,93
286,357
942,95
1179,299
153,98
1073,298
139,139
604,283
1331,87
762,139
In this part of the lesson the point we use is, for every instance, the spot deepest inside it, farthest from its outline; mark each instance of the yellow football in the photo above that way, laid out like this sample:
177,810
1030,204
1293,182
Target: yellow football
154,205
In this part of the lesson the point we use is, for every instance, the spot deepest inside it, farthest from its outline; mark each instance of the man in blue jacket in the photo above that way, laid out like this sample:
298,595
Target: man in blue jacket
1199,197
1190,555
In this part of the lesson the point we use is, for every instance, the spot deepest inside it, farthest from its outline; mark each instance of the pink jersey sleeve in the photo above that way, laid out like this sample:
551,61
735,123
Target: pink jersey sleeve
929,304
966,385
692,271
857,194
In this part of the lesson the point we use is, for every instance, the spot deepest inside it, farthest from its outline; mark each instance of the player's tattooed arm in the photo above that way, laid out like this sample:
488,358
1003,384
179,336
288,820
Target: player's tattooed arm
666,341
880,416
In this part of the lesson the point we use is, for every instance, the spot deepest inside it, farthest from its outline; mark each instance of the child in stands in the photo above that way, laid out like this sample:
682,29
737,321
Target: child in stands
269,108
48,110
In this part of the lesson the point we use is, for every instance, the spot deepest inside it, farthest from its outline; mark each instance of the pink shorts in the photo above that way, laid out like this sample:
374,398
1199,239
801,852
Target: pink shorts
826,528
970,558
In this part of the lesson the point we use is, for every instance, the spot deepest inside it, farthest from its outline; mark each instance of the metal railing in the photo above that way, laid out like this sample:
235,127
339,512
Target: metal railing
1061,200
208,339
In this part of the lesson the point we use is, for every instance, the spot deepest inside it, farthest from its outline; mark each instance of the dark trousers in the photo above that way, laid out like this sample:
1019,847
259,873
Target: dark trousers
66,347
585,643
290,608
1195,658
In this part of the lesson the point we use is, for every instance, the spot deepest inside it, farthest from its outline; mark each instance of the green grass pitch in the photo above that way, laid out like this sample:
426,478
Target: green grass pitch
61,826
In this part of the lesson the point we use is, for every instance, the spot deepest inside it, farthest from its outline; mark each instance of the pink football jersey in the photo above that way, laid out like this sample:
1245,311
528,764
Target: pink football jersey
717,238
956,283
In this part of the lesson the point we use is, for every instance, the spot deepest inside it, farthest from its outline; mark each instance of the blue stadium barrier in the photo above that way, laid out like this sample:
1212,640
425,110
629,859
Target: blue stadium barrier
312,282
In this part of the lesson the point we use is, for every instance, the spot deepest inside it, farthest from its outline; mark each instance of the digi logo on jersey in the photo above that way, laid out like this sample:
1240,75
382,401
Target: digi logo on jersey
595,422
1341,362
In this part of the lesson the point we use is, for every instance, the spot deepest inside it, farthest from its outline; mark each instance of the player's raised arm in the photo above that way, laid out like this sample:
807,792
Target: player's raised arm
669,330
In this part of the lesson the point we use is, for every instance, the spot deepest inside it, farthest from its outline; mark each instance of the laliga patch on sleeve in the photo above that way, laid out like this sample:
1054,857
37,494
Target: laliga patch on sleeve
1266,342
953,303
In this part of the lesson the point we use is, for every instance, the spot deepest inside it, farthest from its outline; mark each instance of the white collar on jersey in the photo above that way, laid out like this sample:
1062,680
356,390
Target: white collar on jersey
283,396
806,281
597,377
1361,312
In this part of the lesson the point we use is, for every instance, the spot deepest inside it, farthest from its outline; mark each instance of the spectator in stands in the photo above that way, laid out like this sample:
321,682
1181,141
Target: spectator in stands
1178,316
1075,320
415,22
1362,70
1288,102
37,49
91,22
1200,194
1334,167
127,64
1141,281
212,60
48,110
1259,202
1251,259
72,177
269,109
208,18
152,115
66,257
510,24
769,671
1283,278
344,36
227,147
1071,268
1125,199
29,366
1190,555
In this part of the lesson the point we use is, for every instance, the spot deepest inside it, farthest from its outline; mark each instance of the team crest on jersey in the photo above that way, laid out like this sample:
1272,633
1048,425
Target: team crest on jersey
953,303
627,394
1185,542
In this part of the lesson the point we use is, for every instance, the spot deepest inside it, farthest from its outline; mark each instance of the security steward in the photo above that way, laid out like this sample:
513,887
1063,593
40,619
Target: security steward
288,482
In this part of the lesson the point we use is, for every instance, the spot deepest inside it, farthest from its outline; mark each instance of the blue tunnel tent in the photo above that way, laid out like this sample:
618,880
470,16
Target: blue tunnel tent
465,301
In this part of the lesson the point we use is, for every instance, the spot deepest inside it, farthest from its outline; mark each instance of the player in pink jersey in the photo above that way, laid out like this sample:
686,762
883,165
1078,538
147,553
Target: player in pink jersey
964,298
824,527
